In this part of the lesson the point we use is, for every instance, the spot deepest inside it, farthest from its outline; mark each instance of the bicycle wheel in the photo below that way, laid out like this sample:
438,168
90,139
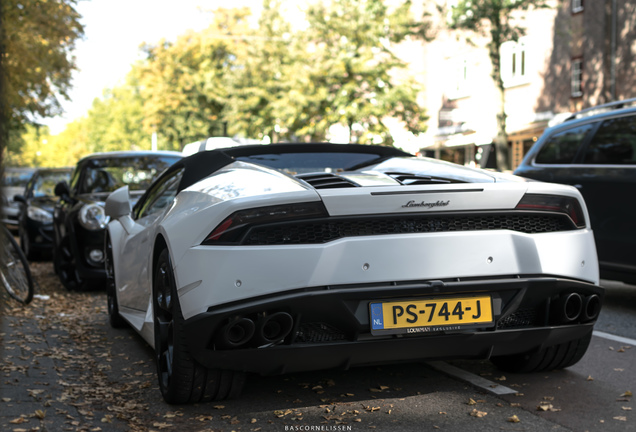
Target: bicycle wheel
14,269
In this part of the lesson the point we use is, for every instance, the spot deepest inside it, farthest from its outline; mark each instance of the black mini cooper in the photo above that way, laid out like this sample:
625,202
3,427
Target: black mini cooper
79,219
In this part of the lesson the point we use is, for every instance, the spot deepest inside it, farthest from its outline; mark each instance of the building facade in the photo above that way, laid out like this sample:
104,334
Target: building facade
574,54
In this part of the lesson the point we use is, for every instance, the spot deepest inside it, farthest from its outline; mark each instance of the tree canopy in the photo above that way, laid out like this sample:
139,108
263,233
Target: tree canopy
276,81
37,41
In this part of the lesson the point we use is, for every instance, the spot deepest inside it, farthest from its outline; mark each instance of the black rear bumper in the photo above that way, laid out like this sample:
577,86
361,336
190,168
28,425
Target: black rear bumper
330,328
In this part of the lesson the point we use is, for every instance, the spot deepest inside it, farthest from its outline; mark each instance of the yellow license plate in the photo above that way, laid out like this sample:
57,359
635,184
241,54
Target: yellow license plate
422,316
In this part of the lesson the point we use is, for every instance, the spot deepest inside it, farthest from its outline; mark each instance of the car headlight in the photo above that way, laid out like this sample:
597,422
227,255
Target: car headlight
92,217
39,215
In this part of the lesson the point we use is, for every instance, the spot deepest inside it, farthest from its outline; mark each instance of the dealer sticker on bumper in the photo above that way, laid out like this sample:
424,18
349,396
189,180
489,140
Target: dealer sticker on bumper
431,315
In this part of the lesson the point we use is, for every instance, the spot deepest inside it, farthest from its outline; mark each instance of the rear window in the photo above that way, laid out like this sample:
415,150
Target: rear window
17,178
562,147
614,143
107,175
299,163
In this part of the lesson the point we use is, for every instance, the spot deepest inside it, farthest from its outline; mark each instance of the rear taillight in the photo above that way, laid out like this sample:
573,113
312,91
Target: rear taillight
554,203
232,229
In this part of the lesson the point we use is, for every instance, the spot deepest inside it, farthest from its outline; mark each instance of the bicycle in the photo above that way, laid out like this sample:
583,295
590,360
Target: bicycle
14,269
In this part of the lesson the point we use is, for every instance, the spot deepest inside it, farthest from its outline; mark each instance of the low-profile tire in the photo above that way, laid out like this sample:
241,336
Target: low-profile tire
181,378
114,318
64,264
554,357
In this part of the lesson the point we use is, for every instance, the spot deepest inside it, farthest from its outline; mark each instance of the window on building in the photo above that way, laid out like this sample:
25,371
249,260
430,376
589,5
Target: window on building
460,78
577,6
577,77
514,62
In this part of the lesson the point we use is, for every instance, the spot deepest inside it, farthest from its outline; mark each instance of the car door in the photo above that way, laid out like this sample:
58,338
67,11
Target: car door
135,270
606,177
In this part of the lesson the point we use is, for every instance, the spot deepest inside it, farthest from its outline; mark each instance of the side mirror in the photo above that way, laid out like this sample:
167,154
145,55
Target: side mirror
62,190
118,203
19,198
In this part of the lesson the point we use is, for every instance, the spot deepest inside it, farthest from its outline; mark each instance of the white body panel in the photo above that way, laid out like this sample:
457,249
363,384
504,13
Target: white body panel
213,275
232,274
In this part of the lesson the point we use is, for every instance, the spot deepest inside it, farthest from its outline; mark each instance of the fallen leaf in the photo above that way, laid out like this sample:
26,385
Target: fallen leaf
514,419
621,418
471,401
547,407
589,378
40,414
627,394
18,420
477,413
627,408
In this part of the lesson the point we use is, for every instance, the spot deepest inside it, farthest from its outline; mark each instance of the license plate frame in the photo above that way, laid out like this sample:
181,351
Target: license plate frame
415,316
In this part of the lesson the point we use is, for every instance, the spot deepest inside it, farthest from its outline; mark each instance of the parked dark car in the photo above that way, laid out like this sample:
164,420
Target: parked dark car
79,219
35,219
595,151
14,181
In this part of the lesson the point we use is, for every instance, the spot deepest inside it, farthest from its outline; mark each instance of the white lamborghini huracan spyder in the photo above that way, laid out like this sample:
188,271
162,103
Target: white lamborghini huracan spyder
293,257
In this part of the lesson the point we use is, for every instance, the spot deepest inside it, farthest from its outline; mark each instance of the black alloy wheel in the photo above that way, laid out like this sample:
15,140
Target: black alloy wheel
181,378
115,319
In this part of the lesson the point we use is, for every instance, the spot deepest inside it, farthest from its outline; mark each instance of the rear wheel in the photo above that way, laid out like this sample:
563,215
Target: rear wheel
181,378
555,357
115,319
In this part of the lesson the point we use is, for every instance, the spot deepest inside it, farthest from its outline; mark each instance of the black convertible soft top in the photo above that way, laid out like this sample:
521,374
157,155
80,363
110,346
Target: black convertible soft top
202,164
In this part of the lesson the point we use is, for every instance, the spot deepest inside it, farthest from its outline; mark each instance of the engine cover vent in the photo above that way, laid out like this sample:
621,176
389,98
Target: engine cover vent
415,179
326,181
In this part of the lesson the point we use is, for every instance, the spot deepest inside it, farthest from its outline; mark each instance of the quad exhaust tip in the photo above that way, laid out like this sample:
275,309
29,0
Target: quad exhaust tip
273,328
236,333
592,307
570,307
267,329
573,306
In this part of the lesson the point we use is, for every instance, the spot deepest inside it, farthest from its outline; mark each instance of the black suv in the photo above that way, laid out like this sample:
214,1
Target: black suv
594,150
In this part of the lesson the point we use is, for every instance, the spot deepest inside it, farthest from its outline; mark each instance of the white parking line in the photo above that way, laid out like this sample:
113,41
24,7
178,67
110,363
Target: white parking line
470,378
614,337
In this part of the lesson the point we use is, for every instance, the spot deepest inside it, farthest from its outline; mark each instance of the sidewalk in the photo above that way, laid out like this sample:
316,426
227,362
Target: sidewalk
39,343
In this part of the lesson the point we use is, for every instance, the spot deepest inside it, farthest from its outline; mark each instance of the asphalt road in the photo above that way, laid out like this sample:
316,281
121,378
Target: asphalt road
63,368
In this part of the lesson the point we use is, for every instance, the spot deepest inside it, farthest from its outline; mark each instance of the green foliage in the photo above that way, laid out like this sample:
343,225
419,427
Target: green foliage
184,83
260,87
352,75
37,41
275,81
114,121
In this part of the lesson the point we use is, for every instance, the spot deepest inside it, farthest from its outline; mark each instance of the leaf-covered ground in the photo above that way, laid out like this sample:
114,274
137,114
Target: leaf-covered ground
62,368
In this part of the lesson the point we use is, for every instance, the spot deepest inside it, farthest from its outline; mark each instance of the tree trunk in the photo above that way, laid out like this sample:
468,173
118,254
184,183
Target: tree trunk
501,140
